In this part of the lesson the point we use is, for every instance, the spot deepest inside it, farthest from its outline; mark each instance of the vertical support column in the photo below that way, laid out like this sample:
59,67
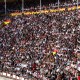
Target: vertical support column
40,5
77,4
58,4
22,6
5,6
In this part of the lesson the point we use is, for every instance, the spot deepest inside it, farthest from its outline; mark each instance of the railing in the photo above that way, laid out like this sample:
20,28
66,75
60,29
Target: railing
13,77
43,11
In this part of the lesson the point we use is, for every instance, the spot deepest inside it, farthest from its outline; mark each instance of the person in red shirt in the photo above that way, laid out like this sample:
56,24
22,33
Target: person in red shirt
78,75
33,67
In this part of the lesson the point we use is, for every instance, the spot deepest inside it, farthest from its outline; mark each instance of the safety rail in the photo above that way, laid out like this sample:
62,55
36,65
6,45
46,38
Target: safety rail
7,75
43,11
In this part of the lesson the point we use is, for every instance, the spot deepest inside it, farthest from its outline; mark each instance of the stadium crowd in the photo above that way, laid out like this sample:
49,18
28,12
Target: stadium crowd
28,42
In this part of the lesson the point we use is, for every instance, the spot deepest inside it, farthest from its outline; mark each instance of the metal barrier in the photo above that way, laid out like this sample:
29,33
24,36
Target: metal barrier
14,77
